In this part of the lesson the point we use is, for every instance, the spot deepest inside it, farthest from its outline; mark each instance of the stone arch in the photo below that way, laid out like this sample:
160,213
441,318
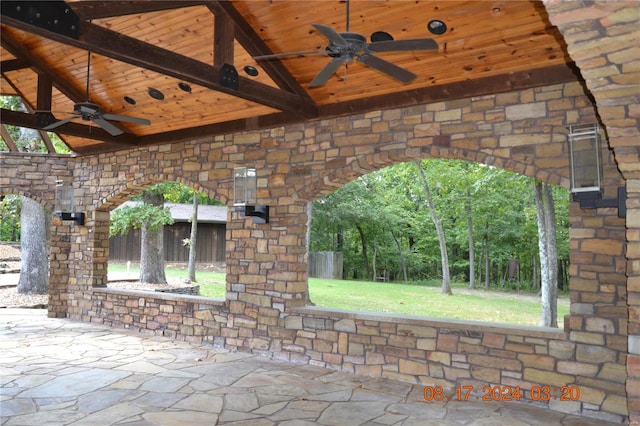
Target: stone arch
120,194
46,203
517,160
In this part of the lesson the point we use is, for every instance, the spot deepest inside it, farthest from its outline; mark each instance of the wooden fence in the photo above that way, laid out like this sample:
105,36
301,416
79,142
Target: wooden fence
325,264
210,244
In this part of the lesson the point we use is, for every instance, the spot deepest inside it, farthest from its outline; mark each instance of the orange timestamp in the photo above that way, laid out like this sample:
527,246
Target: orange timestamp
501,393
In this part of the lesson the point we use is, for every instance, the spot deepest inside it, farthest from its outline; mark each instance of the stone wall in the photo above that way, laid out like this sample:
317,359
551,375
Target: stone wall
264,311
604,41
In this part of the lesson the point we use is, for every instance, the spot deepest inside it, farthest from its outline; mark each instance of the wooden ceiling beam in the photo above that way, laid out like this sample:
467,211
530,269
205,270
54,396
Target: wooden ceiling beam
497,84
463,89
105,9
255,46
144,55
13,64
20,52
223,39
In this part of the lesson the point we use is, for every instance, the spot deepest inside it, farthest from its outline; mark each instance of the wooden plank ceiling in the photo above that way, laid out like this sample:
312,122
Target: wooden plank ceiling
177,50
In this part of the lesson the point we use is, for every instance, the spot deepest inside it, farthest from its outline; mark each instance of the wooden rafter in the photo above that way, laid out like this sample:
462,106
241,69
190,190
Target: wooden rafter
145,55
223,38
88,10
20,52
255,46
8,139
13,64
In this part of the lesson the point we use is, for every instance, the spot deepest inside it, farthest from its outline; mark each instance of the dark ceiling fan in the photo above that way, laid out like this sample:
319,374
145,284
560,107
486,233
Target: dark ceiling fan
348,46
88,111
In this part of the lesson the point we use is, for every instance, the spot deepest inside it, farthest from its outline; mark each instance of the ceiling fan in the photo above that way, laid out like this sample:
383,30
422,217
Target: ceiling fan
346,47
88,111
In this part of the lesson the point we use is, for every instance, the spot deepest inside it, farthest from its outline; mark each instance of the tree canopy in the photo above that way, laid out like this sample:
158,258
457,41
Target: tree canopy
381,218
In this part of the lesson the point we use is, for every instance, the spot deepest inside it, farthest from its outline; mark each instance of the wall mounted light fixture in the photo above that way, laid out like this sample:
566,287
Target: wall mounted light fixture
64,206
586,170
244,194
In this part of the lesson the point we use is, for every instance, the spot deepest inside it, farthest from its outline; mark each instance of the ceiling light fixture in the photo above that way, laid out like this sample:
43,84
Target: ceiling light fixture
184,87
436,26
156,94
381,36
252,71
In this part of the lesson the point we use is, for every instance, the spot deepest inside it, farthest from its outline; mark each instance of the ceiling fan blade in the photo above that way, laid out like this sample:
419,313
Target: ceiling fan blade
281,55
321,78
332,35
126,119
108,127
403,45
59,123
387,67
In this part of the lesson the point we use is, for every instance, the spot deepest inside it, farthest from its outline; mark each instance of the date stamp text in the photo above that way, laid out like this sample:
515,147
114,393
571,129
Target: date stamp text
501,393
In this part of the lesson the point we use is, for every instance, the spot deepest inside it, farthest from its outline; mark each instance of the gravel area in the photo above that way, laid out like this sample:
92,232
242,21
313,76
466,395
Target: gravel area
9,298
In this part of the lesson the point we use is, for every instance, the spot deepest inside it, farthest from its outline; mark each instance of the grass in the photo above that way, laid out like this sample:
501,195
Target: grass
421,299
426,299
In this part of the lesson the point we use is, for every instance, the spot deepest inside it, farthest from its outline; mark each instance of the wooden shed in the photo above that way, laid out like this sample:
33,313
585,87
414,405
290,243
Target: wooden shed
210,243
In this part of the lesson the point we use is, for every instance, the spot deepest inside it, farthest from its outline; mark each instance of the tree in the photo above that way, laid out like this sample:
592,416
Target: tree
150,217
193,239
548,254
446,280
9,218
34,237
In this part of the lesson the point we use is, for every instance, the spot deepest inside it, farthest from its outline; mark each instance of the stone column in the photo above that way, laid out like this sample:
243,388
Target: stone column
633,298
59,277
266,271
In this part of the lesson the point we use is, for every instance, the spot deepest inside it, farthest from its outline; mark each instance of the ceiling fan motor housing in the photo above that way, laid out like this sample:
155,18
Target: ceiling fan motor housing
87,110
355,43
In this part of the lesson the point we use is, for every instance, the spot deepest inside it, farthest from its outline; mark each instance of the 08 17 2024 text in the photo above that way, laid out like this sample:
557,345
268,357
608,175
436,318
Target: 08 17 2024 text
502,393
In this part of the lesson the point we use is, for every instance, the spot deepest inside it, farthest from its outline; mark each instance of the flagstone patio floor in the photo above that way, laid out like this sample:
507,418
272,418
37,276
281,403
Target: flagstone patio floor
62,372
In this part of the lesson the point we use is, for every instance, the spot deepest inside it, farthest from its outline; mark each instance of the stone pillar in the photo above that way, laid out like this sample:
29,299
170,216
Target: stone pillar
59,277
266,271
601,38
633,298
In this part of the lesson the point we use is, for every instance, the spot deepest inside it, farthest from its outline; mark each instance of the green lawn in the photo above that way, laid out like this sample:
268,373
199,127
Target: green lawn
422,299
427,300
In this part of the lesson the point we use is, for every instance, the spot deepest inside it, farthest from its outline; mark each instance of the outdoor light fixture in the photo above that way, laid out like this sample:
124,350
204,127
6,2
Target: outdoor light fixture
244,194
586,170
64,204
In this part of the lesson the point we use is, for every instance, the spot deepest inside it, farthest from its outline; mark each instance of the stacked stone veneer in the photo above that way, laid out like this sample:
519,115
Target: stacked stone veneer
603,38
523,131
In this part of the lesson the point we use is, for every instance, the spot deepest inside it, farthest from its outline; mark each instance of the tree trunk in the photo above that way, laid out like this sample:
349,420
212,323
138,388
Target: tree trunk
446,280
472,256
34,244
546,215
152,251
487,261
552,250
192,240
402,258
363,241
309,217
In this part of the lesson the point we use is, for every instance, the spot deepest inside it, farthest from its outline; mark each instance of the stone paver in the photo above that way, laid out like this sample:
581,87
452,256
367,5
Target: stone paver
60,372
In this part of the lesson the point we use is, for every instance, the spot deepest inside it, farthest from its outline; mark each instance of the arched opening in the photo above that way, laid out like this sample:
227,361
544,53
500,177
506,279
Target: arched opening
148,241
381,227
24,252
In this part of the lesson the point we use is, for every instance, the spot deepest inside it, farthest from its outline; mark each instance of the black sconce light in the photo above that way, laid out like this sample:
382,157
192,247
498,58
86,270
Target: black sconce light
64,204
586,170
244,194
